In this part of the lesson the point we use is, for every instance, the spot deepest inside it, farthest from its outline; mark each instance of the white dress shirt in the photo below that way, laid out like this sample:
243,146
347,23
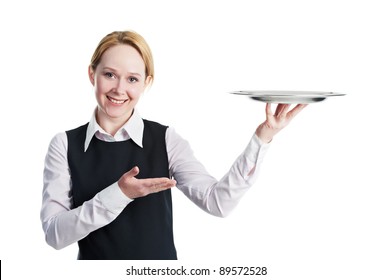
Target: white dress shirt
63,224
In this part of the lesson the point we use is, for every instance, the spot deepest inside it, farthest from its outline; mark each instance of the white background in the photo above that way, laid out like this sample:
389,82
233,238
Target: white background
321,207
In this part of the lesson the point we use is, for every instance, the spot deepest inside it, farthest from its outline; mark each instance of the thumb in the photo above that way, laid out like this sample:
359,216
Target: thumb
134,171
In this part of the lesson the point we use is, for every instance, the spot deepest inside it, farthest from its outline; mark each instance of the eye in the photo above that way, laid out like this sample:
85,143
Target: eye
133,79
109,75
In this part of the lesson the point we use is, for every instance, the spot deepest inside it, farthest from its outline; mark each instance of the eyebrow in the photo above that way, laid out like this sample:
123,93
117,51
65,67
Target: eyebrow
113,69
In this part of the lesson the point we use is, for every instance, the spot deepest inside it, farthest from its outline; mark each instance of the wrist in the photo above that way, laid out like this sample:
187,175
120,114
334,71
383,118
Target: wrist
264,135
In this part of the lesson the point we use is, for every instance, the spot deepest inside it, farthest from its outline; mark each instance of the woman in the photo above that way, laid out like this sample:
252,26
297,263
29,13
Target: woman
107,183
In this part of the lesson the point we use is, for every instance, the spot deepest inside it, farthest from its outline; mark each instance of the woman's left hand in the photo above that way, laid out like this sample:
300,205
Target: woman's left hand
276,121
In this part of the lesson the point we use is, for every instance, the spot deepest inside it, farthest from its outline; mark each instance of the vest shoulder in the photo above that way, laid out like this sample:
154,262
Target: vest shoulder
77,130
153,124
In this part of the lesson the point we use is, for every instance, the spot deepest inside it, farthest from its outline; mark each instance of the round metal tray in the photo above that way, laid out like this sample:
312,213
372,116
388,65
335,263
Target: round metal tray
287,97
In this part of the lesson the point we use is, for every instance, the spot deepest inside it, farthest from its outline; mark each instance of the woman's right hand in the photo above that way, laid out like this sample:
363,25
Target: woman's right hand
134,188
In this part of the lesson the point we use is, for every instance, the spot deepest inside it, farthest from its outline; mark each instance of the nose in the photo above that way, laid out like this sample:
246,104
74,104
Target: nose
120,86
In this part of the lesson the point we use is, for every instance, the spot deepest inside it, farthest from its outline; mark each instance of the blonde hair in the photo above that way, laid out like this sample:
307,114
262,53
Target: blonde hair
130,38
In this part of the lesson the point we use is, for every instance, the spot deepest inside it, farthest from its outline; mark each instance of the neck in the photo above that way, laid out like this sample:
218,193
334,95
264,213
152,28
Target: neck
111,125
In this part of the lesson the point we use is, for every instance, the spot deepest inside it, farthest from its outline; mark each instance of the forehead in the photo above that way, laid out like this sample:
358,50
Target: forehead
123,57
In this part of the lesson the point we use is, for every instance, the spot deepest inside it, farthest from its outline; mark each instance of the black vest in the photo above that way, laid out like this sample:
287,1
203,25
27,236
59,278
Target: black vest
143,230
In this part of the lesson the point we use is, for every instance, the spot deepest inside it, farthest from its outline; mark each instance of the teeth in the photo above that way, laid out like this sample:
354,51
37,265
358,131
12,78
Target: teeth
117,101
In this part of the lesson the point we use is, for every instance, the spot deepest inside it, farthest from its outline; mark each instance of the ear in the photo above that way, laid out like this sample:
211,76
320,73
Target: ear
148,81
91,75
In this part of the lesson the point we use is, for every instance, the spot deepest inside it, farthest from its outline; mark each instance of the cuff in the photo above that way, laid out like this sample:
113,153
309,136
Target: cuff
114,199
256,149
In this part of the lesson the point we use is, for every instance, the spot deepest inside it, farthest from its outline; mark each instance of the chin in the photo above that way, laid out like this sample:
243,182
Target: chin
117,112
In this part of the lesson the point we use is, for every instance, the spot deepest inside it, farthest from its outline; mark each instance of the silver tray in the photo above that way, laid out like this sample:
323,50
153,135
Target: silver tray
287,97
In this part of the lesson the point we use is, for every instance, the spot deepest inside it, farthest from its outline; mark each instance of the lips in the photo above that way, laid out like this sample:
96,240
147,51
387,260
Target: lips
116,101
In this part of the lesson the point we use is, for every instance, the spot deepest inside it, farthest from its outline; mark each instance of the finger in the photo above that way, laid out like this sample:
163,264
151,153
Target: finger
285,109
269,109
166,184
134,171
157,183
297,109
282,110
162,186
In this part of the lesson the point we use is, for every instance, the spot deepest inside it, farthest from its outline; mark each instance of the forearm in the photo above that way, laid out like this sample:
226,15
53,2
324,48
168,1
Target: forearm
64,226
217,197
70,226
227,192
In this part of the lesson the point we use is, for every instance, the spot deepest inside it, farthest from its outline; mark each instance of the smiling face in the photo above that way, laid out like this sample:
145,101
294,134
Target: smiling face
119,80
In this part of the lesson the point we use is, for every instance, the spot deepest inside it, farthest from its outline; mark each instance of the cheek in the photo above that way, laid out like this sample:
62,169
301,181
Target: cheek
101,87
135,92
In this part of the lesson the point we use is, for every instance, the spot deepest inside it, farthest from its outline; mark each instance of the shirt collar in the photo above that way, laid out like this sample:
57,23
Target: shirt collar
132,129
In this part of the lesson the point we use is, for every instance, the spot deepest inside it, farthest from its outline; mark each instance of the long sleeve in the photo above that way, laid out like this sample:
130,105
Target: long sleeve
62,224
217,197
